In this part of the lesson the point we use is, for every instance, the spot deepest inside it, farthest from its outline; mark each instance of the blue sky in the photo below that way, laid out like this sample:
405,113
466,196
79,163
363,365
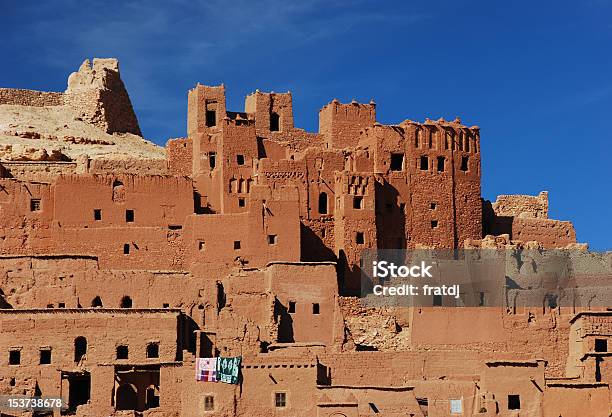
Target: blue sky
536,76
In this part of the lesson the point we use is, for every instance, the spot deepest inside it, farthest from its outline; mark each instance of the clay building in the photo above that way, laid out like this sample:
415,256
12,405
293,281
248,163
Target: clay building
122,265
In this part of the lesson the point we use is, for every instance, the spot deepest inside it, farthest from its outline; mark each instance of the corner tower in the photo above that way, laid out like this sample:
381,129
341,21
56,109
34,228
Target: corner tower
205,108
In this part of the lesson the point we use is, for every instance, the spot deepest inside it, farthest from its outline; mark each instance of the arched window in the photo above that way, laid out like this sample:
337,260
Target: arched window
153,350
126,397
96,302
274,122
118,192
80,348
126,302
323,203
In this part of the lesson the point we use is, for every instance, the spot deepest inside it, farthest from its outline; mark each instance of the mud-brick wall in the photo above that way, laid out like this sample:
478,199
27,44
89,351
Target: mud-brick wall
30,97
550,233
179,154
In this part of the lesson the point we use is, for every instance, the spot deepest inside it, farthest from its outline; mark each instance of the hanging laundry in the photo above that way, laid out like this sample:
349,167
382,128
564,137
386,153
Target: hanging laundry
228,370
206,369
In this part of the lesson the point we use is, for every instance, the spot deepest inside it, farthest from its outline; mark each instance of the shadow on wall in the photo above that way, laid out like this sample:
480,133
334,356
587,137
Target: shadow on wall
313,247
493,224
390,217
3,302
285,322
349,279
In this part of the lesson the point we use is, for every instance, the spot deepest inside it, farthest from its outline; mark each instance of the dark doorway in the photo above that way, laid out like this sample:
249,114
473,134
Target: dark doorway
126,397
152,398
79,388
323,203
211,118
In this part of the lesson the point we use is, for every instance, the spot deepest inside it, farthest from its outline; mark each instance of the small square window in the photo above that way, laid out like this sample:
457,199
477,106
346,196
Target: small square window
97,214
45,356
122,352
434,224
397,162
433,206
280,399
272,239
424,163
601,345
236,244
358,202
464,163
241,202
49,305
129,216
359,238
166,305
35,204
126,248
291,307
14,357
201,245
61,305
240,159
514,402
209,403
316,309
153,350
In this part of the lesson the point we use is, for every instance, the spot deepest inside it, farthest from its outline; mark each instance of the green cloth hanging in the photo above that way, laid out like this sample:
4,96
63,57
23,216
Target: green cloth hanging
228,369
